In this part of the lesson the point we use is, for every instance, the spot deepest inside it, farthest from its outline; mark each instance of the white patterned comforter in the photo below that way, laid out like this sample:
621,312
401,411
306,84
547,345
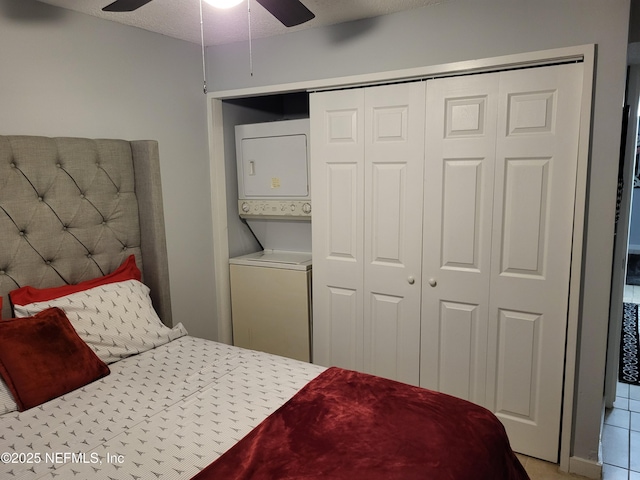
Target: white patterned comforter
163,414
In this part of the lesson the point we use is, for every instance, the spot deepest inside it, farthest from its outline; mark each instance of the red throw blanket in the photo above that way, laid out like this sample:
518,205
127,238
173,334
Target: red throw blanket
352,426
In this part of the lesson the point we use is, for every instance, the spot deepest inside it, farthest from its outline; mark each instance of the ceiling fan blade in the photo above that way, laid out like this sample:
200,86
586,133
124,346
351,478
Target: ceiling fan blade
125,5
289,12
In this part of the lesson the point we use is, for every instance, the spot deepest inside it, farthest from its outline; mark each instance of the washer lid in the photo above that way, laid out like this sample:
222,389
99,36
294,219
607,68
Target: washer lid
290,258
278,257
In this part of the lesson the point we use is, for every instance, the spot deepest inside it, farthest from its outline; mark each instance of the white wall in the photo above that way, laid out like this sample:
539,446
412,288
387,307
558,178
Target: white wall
471,29
68,74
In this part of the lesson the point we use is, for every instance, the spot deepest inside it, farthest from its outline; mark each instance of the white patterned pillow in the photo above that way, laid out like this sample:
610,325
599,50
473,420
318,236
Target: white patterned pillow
116,320
7,403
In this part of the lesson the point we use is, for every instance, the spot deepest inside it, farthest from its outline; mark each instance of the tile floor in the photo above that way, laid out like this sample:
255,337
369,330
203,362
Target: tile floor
620,435
621,432
620,442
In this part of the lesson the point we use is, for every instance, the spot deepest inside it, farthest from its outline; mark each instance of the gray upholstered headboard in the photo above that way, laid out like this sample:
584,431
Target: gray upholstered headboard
72,209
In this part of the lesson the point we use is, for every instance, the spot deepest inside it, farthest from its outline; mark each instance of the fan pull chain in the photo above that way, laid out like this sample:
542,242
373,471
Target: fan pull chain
250,51
204,65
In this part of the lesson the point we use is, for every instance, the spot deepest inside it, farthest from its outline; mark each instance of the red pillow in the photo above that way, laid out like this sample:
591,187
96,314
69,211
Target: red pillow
26,295
42,357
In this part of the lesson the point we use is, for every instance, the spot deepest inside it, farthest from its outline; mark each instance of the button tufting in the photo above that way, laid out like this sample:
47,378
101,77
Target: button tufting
82,195
22,233
40,199
58,165
65,228
48,262
13,165
2,272
89,255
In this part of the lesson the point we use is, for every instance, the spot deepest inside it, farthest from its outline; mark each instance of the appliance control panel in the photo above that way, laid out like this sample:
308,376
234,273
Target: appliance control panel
293,209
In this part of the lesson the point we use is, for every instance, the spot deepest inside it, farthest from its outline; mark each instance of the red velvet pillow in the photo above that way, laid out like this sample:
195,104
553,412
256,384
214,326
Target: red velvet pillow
42,357
26,295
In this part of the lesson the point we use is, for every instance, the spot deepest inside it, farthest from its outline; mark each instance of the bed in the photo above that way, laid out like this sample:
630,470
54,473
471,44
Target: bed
97,382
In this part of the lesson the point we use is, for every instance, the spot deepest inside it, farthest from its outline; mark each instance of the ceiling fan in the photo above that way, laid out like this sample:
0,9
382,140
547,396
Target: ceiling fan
288,12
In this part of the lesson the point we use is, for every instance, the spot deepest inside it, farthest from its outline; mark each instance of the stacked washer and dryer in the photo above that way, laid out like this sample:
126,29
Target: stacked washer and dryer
271,289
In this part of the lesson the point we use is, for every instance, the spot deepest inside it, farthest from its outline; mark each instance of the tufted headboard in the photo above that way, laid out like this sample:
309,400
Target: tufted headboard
72,209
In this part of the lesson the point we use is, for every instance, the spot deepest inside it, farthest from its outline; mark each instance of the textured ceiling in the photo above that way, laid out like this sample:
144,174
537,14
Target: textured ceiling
181,18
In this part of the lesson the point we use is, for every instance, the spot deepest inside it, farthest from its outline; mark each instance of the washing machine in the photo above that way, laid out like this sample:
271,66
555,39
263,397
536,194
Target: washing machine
271,302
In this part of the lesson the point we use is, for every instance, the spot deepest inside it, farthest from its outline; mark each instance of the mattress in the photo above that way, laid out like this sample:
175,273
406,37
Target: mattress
163,414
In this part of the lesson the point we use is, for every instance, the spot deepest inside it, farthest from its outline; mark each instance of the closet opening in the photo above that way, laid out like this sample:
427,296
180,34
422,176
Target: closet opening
622,378
625,281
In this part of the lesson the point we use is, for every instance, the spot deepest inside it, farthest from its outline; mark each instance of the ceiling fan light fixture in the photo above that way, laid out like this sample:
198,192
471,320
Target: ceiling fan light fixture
224,3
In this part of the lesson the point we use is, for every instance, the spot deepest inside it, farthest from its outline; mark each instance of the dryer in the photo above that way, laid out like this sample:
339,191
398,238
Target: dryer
273,169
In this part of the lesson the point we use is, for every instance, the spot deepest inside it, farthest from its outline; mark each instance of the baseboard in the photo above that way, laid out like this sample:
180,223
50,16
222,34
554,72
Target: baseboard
586,468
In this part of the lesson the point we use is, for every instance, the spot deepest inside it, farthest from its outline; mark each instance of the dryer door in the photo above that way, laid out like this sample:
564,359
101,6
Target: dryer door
274,167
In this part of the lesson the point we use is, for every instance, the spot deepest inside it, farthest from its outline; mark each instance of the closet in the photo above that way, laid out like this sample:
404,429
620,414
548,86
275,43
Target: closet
442,235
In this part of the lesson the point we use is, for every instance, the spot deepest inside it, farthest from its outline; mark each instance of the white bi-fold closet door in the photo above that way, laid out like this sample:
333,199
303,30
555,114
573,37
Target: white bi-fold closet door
367,160
500,176
442,234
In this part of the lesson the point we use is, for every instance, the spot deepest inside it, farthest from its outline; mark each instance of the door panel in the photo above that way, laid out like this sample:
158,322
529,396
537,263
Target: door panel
525,218
337,179
459,176
536,161
387,190
459,344
462,189
387,337
344,341
394,162
518,366
342,204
